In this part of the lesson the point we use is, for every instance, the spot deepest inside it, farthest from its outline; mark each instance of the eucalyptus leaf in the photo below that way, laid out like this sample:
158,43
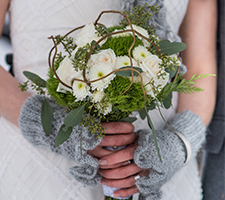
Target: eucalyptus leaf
170,48
35,78
128,119
62,135
167,101
150,124
46,117
142,114
127,73
74,117
151,107
97,48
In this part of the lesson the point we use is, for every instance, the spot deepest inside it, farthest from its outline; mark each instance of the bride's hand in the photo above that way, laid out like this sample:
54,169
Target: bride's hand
116,134
119,171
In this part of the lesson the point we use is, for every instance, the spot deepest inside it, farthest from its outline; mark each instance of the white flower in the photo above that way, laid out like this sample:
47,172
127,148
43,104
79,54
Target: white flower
140,53
86,35
105,109
80,90
98,71
97,96
147,83
139,29
120,34
153,73
151,64
106,57
64,72
122,61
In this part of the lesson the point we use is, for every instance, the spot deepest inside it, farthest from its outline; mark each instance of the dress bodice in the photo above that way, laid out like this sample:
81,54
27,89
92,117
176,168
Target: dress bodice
33,173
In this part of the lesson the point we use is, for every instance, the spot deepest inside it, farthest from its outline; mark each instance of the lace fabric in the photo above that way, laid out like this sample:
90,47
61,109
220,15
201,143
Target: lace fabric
32,173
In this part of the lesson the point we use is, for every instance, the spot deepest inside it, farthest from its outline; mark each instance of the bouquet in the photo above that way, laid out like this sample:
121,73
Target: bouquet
106,73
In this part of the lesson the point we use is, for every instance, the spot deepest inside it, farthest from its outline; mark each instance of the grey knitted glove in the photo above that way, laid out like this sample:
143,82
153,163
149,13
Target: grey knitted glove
172,152
73,149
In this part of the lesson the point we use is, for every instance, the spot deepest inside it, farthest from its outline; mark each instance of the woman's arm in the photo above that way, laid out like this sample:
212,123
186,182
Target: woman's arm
11,98
198,31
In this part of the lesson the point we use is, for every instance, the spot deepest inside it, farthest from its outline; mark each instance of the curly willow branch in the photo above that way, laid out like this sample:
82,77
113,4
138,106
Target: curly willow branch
93,47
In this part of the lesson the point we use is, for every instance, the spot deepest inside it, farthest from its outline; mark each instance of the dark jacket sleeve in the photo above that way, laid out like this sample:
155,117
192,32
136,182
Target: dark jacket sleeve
216,134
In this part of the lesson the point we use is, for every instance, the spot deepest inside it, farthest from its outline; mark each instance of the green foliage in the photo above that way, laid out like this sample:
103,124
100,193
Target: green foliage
35,78
121,44
181,85
128,73
46,117
101,30
141,16
116,27
67,43
132,100
93,124
169,48
63,135
74,117
52,85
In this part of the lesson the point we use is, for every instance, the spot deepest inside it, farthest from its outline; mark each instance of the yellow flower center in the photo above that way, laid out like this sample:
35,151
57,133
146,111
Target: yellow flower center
100,74
143,55
126,63
80,85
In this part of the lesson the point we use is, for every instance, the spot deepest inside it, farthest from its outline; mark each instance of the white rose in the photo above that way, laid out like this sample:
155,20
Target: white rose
146,82
86,35
64,72
151,65
103,57
140,30
154,73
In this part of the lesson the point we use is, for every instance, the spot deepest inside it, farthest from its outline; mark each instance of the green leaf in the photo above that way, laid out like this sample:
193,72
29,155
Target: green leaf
74,117
128,119
150,124
170,48
167,101
46,117
127,73
35,78
97,48
62,135
142,114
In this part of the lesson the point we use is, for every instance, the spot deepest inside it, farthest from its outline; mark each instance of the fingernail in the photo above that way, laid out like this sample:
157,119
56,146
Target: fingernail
103,182
103,162
115,195
125,163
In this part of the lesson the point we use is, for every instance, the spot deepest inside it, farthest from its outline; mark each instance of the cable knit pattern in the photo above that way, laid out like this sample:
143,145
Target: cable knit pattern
73,149
172,152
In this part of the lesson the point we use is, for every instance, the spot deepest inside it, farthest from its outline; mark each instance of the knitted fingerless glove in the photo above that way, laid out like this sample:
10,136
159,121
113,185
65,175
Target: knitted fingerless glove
75,148
172,151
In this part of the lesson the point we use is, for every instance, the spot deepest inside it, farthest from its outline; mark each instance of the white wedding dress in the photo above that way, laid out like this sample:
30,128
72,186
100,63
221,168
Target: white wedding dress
32,173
